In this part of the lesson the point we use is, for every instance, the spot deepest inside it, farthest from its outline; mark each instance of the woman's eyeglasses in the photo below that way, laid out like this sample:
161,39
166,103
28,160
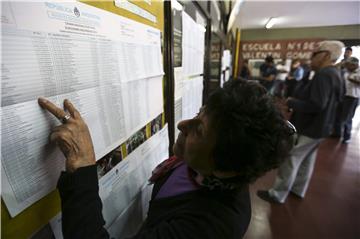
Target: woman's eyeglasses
291,127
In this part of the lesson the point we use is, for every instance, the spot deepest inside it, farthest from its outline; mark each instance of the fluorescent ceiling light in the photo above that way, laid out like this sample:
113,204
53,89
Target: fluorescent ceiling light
175,4
272,21
217,10
234,14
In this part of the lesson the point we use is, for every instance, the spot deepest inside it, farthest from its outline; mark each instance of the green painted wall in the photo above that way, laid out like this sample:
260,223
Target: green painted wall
332,32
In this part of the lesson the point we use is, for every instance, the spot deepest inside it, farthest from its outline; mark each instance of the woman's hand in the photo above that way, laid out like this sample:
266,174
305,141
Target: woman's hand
72,137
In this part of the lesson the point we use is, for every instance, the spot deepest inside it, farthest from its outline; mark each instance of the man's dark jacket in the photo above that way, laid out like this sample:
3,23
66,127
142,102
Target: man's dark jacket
315,103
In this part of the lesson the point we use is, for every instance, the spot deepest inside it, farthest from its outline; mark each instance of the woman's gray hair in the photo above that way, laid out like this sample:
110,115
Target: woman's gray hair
334,47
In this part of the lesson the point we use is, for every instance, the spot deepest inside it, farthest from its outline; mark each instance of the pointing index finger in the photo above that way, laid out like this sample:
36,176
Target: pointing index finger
53,109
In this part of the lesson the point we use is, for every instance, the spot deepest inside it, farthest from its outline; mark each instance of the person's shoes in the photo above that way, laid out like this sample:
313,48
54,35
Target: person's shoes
296,195
345,141
264,195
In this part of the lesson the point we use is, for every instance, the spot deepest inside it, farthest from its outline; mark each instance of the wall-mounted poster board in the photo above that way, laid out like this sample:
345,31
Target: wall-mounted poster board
188,76
177,33
215,62
108,65
225,66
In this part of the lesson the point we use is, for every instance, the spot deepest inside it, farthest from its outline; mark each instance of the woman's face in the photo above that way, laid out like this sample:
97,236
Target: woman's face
196,142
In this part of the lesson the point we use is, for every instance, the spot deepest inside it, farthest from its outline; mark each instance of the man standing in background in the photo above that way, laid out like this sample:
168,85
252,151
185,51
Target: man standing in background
268,73
296,74
279,83
245,72
347,55
352,93
314,106
339,120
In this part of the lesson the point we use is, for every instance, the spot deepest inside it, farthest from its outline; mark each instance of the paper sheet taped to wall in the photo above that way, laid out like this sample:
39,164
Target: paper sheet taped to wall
192,97
110,67
193,44
122,185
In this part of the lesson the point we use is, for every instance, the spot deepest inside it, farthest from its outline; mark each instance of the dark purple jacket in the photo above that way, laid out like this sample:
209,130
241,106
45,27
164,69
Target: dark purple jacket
204,213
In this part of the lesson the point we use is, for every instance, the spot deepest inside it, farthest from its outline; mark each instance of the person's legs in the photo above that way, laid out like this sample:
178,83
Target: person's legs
350,105
277,89
338,125
304,174
289,88
289,169
347,130
267,84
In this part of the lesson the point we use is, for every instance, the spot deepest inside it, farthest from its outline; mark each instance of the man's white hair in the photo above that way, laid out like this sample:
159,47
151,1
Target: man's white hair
334,47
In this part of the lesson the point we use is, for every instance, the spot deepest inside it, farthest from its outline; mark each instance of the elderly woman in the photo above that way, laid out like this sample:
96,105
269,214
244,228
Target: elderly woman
200,192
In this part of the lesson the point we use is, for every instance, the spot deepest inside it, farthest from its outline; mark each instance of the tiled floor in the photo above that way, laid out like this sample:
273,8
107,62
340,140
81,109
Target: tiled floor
331,208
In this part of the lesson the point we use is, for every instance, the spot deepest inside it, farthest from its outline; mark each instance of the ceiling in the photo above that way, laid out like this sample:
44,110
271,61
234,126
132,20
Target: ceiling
255,14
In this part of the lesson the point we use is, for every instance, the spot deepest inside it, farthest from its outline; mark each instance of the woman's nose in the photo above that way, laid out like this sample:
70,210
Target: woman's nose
183,126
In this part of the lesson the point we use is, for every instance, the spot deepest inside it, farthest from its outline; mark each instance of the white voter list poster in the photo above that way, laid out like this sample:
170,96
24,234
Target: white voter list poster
193,46
70,50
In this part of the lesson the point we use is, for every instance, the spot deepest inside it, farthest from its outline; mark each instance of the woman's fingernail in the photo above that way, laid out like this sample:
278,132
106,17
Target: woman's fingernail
42,100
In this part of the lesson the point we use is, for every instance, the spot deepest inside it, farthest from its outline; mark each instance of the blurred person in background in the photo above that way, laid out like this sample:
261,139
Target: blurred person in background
279,83
347,54
245,72
313,105
295,75
347,107
268,73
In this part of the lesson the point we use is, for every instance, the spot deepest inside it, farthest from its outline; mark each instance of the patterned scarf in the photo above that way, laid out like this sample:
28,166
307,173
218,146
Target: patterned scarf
211,182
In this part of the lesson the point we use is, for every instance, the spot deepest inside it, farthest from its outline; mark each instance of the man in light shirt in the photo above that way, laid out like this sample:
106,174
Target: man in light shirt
295,75
351,99
279,84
